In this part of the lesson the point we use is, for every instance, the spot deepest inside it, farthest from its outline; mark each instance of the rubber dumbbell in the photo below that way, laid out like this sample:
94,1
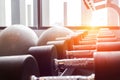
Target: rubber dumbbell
80,53
70,41
105,34
76,37
108,46
61,46
100,46
19,67
113,39
87,42
45,56
52,33
84,47
63,52
19,38
84,32
106,64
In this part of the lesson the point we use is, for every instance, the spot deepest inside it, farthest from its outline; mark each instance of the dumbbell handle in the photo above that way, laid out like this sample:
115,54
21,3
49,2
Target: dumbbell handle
76,62
91,77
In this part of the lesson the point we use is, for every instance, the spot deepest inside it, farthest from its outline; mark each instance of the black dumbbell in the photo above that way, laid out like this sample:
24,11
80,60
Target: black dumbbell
106,64
19,67
45,56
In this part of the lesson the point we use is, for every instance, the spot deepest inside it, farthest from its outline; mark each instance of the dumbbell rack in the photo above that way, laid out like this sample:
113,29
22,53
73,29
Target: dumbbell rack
87,45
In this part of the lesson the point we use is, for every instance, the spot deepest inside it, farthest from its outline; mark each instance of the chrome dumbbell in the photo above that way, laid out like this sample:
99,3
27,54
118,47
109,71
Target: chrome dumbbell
91,77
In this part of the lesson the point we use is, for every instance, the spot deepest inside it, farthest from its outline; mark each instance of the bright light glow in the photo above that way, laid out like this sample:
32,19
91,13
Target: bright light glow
56,12
99,17
57,15
74,13
100,3
7,12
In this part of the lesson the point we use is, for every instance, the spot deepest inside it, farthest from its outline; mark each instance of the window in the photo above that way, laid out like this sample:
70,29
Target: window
53,12
75,13
18,12
46,13
99,17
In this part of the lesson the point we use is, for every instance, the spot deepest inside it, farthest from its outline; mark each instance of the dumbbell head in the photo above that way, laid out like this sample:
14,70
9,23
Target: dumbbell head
87,42
69,40
18,67
84,47
107,65
45,58
105,34
61,46
52,33
16,39
79,54
107,39
108,46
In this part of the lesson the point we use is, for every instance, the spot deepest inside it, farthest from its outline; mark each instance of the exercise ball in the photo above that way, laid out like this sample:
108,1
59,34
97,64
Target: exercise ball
16,39
52,33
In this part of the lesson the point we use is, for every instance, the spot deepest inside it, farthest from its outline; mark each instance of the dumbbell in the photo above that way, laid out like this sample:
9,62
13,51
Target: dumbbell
73,39
62,47
99,44
52,33
87,43
84,47
45,56
77,36
91,77
105,34
69,40
63,52
108,46
80,54
113,39
106,64
18,67
89,37
19,38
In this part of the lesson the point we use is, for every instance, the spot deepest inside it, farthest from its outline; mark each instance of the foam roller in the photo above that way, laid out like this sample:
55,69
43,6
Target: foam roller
45,58
18,67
